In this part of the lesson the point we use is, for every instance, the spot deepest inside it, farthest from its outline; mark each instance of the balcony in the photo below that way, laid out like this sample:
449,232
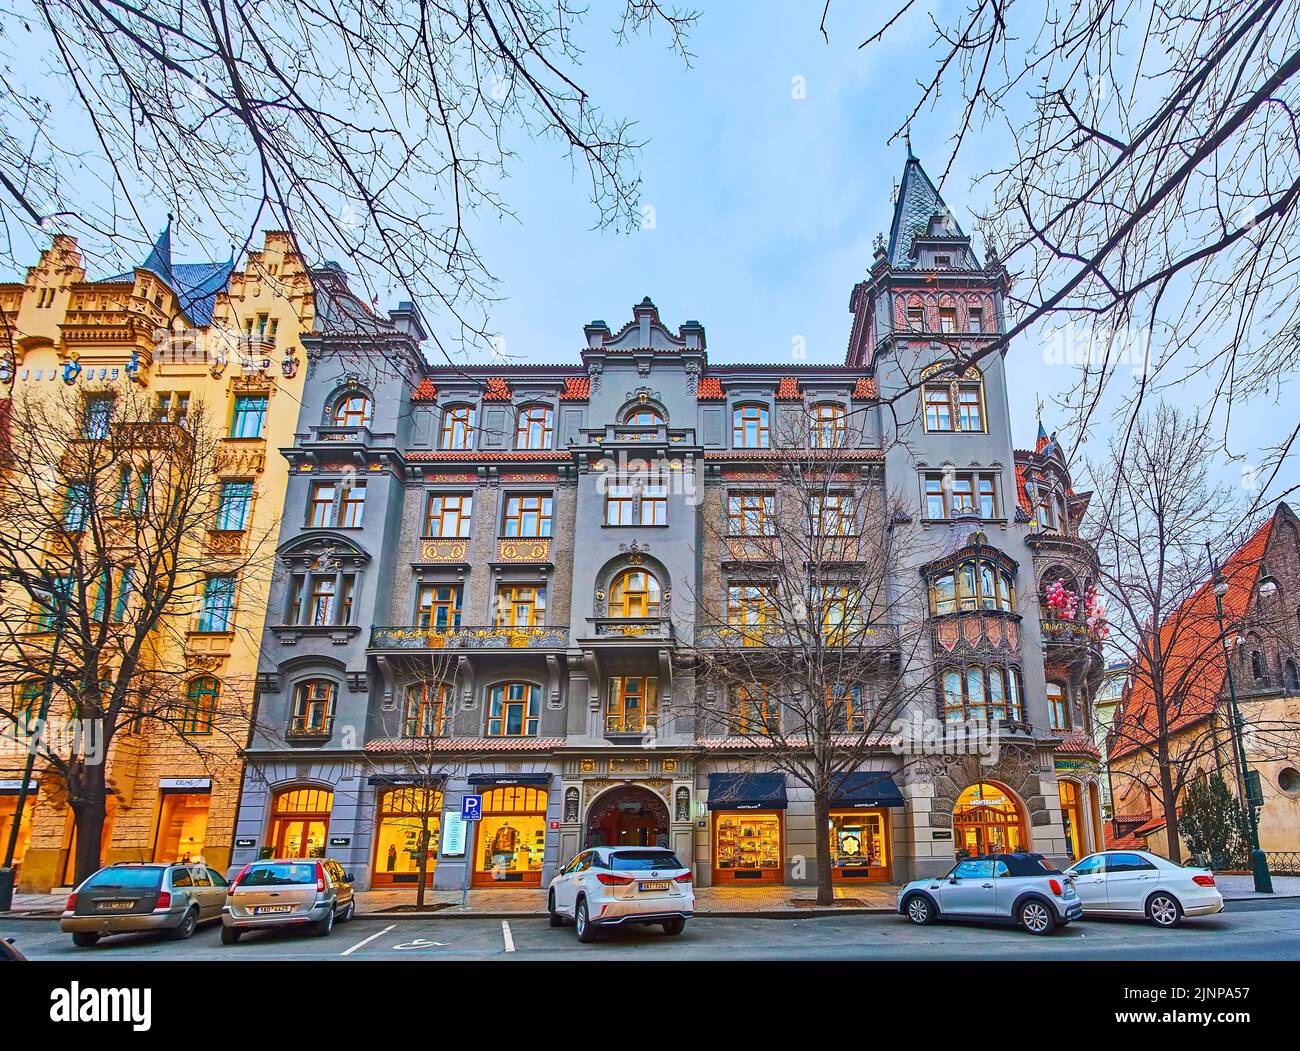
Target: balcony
481,637
524,550
1066,637
654,628
737,636
434,550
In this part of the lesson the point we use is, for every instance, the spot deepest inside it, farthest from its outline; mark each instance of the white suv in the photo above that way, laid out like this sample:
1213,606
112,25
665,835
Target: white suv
610,886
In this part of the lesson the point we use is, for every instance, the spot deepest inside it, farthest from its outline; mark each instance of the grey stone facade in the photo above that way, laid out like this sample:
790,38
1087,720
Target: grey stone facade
641,393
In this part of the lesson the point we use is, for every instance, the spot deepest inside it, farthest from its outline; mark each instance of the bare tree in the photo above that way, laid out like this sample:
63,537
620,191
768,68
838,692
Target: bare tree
1149,207
1153,513
802,652
373,131
106,557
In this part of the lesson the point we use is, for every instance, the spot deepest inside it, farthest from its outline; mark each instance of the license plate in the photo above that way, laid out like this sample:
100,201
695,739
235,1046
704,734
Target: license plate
654,884
263,910
114,905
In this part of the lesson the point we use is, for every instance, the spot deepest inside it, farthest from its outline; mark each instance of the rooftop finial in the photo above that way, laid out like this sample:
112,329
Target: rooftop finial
907,138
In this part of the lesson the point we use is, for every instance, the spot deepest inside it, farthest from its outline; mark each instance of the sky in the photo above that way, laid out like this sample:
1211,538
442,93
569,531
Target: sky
767,174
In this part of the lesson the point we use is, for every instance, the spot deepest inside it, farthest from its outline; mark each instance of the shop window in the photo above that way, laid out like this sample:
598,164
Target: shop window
313,708
8,809
747,846
535,428
457,427
527,515
973,585
300,818
426,708
409,826
751,514
828,426
750,427
635,594
182,826
1072,817
520,605
987,820
513,710
438,607
448,515
1058,707
986,693
631,704
353,409
200,706
511,837
860,845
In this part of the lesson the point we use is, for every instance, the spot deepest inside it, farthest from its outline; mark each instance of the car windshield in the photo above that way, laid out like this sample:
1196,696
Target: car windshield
126,879
279,875
644,860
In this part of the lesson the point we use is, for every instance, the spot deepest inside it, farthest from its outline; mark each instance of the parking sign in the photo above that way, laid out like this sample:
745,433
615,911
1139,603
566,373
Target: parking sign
471,808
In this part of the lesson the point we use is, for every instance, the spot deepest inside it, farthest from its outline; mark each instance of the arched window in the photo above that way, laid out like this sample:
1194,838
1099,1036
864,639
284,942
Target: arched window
514,709
828,425
635,593
535,428
644,416
426,707
313,708
353,409
300,818
988,820
1291,676
457,427
750,427
1058,707
1258,669
200,705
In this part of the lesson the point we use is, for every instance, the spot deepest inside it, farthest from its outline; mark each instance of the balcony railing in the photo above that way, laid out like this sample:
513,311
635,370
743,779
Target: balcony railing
310,729
633,627
477,637
524,550
1058,631
437,549
778,635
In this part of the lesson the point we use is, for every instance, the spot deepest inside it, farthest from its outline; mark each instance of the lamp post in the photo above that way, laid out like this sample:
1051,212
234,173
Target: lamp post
1258,859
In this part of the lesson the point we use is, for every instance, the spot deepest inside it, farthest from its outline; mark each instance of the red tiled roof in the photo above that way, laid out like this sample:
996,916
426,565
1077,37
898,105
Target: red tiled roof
788,389
1076,742
426,391
1125,842
1022,498
1193,661
466,744
497,389
470,456
576,388
866,388
710,389
797,454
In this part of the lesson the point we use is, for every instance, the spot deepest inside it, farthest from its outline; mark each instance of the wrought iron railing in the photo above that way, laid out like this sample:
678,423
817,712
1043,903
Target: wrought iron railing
1280,862
840,635
474,637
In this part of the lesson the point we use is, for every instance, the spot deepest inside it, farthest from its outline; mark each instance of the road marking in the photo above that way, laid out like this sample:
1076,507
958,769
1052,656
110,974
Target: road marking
419,943
505,933
366,941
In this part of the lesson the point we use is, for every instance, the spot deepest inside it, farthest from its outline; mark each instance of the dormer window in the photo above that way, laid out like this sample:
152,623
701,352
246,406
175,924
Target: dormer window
750,427
536,426
828,426
644,417
457,427
353,410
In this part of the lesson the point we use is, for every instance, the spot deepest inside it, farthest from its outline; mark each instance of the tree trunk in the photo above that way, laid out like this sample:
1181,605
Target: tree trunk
821,833
1170,800
422,862
88,814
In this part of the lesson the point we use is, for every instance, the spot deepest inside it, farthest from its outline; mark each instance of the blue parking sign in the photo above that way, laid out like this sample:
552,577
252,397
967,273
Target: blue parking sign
471,808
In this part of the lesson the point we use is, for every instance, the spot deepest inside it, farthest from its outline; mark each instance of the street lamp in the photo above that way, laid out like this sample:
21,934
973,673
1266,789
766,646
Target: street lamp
1258,859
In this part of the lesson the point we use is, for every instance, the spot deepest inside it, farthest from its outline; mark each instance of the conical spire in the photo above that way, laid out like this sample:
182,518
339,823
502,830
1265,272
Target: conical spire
916,207
1042,438
159,260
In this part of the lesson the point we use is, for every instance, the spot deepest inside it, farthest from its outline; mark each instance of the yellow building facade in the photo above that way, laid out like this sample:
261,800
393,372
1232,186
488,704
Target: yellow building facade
183,334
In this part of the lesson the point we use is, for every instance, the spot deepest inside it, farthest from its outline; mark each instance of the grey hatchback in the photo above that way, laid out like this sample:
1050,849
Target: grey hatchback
287,892
1026,889
128,897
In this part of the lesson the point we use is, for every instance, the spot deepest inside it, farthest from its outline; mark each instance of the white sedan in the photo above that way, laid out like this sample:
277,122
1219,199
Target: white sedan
1138,883
611,886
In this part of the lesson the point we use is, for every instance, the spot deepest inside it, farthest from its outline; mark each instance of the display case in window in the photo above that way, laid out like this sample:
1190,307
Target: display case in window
860,845
747,846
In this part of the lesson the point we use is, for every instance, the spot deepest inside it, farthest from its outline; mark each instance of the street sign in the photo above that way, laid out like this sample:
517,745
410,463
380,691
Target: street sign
471,808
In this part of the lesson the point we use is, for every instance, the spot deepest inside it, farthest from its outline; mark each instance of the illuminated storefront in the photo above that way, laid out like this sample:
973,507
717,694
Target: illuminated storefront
182,819
748,827
510,840
859,826
404,815
8,808
105,838
988,820
300,819
1072,817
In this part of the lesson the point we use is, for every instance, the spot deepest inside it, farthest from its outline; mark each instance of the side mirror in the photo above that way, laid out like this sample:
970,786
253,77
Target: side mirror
952,880
347,877
1071,874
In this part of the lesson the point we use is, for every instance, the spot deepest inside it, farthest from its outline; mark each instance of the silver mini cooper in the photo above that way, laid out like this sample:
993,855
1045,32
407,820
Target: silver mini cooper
1025,889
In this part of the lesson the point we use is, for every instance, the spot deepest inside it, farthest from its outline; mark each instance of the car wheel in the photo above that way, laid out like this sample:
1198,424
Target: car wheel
586,932
674,926
919,910
187,926
1037,918
349,912
325,924
556,919
85,939
1164,910
229,935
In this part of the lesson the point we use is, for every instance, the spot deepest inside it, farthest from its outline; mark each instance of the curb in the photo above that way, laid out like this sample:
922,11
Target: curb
748,914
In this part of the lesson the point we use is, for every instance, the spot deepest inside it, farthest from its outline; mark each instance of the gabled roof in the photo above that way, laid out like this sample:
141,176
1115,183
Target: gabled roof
918,201
1194,663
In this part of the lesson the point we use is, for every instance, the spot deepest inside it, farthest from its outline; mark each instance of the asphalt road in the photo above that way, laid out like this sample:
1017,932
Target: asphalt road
1244,931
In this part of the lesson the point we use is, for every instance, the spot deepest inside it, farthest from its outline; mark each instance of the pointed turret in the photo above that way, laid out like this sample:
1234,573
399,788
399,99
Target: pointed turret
159,260
924,233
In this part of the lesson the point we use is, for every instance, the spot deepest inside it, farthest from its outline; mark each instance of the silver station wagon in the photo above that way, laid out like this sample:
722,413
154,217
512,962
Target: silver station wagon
126,898
287,893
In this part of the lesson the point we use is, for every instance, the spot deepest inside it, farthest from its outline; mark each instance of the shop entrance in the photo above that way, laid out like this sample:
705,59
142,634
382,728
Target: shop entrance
300,817
988,820
628,817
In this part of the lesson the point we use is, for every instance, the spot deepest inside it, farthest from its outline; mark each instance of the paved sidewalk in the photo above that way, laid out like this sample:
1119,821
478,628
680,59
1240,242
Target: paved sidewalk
1239,887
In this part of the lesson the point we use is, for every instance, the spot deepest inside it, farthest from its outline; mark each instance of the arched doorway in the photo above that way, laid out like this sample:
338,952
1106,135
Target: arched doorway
988,820
627,817
300,817
1076,841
